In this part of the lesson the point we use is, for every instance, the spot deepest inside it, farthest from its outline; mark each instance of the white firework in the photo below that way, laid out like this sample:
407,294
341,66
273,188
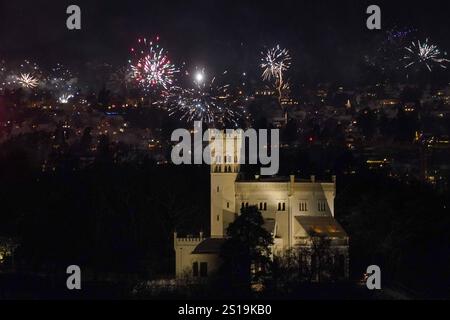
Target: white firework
424,54
26,80
207,101
60,79
65,98
274,63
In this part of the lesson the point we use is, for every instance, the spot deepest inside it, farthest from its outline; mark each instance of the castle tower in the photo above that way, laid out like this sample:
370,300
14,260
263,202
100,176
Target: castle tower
225,166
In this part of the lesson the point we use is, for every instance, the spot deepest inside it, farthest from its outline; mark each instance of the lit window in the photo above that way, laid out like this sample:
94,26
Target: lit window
303,206
263,206
321,206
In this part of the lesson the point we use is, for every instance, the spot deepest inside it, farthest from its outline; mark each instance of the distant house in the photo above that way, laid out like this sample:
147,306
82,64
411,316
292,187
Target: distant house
7,248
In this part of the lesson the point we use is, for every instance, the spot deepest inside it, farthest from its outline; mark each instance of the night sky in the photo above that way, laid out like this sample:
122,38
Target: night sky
325,38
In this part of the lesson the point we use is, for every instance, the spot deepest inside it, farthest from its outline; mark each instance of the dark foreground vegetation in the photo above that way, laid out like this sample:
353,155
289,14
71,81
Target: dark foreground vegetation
116,220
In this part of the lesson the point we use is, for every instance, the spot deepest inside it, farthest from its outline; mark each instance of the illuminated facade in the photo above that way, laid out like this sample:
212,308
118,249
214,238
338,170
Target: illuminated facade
293,210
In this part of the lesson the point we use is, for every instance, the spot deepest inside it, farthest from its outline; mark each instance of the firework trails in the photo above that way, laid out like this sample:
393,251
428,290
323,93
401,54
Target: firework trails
275,62
424,54
27,81
60,79
151,66
206,101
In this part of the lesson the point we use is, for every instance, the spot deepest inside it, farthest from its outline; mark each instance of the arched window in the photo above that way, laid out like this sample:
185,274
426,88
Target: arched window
303,206
322,206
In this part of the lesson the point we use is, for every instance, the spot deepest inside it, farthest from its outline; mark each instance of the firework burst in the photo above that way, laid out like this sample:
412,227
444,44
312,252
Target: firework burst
65,98
207,101
151,66
27,81
424,54
28,75
121,80
398,35
274,63
385,53
60,79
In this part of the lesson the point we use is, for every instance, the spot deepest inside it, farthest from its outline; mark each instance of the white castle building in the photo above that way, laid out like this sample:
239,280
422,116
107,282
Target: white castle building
293,210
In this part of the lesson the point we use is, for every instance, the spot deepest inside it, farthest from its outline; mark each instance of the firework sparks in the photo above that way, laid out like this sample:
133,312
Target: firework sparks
27,75
200,77
207,101
424,54
121,80
151,67
60,79
65,98
27,81
274,63
398,35
384,57
3,74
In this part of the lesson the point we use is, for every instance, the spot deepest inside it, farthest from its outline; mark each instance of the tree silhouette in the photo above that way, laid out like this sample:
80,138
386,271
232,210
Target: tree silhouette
247,251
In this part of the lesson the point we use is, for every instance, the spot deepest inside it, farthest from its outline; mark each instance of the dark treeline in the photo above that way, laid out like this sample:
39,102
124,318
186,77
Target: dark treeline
119,217
403,228
108,218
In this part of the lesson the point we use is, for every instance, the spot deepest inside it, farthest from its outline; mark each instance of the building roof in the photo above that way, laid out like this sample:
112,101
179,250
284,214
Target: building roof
322,225
263,179
210,245
278,179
